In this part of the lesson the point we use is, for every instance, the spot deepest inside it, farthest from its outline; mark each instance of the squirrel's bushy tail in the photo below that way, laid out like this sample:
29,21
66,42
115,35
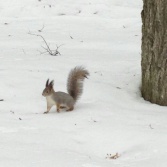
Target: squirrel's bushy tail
75,81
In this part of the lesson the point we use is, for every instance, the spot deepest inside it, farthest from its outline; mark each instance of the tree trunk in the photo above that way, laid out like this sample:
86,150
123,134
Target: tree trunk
154,51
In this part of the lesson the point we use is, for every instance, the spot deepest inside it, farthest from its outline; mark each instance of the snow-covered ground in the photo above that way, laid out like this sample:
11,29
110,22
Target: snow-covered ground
111,117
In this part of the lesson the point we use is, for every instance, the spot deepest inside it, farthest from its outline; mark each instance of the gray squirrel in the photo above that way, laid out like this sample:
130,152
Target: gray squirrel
74,89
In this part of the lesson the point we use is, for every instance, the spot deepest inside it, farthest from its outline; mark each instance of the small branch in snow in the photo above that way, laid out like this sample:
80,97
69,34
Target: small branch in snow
1,99
12,112
41,28
16,115
43,40
95,12
151,127
47,48
56,51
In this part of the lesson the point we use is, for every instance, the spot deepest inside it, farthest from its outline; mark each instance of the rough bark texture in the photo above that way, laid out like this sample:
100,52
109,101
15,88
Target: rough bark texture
154,51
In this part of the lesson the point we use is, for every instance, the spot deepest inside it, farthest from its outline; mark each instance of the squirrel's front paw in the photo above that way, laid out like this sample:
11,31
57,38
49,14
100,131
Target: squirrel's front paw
45,112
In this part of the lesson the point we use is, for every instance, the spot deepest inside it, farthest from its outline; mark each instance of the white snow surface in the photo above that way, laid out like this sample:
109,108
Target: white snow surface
111,116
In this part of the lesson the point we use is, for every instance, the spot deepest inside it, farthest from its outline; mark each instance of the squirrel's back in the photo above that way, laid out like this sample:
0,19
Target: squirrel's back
63,98
75,81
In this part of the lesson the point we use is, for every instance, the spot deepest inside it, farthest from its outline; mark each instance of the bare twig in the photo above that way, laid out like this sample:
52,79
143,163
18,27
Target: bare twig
47,49
151,127
12,112
56,51
42,28
42,38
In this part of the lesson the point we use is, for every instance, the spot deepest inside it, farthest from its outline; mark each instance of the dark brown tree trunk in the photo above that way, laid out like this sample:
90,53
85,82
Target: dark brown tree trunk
154,51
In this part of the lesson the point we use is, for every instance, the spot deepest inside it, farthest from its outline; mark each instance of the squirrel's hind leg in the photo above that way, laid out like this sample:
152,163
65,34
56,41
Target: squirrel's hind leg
62,107
70,109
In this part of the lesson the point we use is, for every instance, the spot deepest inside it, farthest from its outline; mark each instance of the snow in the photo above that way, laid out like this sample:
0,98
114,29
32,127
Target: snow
111,117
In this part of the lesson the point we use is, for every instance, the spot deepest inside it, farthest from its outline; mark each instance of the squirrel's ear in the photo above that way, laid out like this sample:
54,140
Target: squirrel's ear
47,83
51,83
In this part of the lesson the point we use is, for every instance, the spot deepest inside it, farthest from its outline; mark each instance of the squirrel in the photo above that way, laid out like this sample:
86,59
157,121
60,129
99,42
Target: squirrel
74,88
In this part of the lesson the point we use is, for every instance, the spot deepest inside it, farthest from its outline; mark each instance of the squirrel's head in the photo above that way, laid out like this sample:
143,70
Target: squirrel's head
48,88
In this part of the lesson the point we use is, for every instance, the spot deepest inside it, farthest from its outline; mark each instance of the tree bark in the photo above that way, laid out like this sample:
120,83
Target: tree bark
154,51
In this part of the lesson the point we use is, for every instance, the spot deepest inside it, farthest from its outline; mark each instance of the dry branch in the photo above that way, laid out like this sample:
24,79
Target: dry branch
47,48
41,28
